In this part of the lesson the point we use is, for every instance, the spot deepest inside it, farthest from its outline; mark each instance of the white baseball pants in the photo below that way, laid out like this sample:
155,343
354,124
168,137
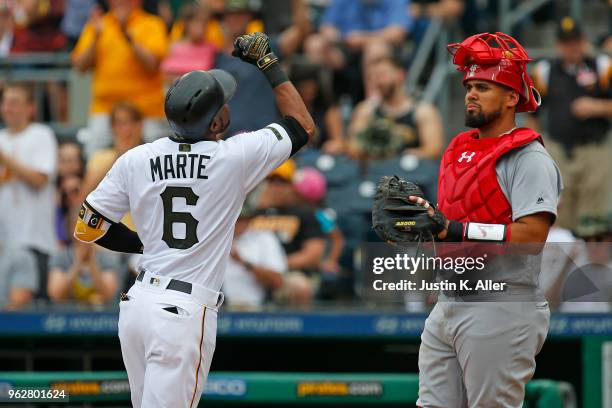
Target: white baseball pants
167,341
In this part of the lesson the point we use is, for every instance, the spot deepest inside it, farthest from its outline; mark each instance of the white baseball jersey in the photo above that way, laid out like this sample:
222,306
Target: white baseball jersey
185,198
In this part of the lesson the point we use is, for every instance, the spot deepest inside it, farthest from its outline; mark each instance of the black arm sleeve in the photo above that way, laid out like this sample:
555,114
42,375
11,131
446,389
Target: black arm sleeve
120,238
296,133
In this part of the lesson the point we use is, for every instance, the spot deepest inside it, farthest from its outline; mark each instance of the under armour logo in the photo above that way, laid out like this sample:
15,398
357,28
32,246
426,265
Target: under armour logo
467,156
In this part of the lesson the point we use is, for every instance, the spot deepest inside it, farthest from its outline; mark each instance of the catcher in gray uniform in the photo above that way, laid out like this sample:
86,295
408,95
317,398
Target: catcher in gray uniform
498,185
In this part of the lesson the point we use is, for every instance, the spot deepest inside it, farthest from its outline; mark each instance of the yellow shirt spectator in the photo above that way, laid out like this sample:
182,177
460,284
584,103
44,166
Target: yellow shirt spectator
117,73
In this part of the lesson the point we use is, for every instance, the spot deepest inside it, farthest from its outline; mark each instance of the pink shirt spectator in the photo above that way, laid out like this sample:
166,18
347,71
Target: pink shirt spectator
186,56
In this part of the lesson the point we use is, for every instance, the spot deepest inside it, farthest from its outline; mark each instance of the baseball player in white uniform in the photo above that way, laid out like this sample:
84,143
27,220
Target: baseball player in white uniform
184,193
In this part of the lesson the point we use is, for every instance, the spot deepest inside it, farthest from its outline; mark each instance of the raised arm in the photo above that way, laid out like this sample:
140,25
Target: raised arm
290,104
255,49
293,36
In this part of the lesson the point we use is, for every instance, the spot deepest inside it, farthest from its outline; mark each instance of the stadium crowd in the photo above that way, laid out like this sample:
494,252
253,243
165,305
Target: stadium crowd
298,237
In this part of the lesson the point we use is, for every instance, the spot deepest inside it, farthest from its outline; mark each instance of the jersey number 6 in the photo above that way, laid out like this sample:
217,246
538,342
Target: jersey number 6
173,217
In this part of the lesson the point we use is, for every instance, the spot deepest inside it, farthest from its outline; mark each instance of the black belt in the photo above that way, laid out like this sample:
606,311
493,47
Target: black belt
174,284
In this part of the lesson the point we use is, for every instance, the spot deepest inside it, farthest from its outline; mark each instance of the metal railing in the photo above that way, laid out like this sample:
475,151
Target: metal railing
508,17
423,52
42,69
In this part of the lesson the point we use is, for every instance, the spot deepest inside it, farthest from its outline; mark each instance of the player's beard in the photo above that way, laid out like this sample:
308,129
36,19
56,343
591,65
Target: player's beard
479,119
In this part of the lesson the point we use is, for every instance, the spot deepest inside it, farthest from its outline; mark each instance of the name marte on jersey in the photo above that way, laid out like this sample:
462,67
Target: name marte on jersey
171,166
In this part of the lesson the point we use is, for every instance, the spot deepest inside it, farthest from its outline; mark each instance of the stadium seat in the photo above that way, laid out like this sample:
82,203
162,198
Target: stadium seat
420,171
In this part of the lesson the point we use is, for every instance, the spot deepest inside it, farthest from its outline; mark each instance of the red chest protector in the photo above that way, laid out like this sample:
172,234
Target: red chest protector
468,190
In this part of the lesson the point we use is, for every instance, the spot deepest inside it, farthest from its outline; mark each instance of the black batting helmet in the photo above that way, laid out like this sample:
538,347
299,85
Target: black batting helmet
195,98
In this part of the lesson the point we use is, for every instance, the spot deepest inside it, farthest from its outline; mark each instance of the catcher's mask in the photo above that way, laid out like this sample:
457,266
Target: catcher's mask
497,58
194,100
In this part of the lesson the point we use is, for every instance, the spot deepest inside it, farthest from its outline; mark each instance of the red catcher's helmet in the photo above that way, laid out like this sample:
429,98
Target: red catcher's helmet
497,58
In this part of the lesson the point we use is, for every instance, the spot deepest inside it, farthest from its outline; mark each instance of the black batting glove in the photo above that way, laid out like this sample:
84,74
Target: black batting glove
255,49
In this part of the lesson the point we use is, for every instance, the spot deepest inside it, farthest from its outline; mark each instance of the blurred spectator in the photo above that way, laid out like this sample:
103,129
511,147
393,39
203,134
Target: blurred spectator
70,168
445,9
397,123
37,29
347,28
192,52
37,26
355,23
311,187
76,14
176,5
232,18
164,10
83,273
257,264
480,16
28,164
313,82
298,230
287,40
6,30
18,277
69,197
422,11
578,99
151,6
124,48
126,125
372,53
277,14
70,160
237,17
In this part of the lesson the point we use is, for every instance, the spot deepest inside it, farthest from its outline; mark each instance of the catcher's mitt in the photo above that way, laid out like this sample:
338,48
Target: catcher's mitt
398,220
